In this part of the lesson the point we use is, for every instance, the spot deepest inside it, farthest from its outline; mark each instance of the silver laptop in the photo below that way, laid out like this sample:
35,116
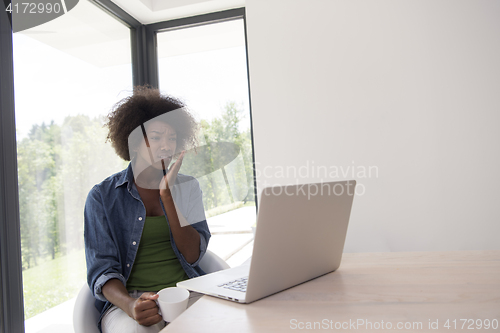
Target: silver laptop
300,235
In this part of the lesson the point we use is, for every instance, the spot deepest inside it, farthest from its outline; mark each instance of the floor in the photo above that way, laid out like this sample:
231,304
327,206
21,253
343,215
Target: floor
232,240
232,235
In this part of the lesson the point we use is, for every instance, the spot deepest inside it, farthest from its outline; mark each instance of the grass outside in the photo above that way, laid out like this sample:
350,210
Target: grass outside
53,282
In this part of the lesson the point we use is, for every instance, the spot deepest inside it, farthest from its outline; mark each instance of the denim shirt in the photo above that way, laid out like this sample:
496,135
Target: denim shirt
114,218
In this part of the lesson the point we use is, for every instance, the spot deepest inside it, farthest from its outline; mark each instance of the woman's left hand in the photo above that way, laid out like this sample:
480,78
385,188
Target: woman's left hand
169,179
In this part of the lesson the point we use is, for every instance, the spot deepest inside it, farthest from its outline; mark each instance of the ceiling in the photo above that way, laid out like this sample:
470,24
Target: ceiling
152,11
89,34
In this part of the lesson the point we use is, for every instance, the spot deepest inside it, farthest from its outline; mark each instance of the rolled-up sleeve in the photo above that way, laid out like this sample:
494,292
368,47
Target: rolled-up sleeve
204,237
101,251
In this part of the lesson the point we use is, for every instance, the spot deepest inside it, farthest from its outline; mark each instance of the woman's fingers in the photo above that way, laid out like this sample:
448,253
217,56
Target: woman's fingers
169,179
177,165
174,170
149,319
142,305
146,310
149,295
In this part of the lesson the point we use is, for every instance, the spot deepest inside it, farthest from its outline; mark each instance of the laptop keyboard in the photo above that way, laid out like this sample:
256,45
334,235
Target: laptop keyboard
238,284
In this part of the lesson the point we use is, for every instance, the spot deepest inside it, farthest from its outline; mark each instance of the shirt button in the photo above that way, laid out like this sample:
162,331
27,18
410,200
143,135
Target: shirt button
128,265
133,243
140,218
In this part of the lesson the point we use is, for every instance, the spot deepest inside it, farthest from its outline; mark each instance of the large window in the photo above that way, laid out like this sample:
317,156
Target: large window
68,74
206,66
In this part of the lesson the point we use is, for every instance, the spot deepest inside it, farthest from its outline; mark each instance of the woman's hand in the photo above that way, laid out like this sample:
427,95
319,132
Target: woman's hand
170,177
144,310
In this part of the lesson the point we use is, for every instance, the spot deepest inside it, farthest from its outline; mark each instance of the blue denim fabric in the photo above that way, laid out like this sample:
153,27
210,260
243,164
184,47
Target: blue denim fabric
114,219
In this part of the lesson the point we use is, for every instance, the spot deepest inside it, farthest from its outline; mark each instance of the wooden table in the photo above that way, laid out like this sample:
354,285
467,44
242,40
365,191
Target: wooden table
400,291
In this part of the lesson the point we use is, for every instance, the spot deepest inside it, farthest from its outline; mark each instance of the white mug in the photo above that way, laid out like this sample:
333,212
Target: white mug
172,302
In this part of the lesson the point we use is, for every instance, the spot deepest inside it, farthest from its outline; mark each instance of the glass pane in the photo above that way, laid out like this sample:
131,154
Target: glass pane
68,74
206,67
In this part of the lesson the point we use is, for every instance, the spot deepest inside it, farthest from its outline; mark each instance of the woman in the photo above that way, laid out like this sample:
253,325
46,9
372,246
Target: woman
145,226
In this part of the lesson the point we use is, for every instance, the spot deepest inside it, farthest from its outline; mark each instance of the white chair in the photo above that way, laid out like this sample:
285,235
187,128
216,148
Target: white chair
212,263
85,315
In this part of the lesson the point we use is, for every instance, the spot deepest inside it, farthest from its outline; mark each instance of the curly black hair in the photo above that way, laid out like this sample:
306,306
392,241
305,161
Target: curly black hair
145,104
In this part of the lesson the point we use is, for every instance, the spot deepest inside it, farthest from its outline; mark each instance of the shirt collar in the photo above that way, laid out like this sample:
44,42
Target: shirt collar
126,177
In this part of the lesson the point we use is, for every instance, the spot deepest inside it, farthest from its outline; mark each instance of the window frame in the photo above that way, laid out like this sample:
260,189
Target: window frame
144,71
11,300
199,20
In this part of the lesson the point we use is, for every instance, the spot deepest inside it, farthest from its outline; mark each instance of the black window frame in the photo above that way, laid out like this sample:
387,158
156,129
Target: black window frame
144,71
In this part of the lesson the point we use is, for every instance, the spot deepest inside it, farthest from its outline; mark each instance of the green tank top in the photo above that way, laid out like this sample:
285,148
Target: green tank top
156,265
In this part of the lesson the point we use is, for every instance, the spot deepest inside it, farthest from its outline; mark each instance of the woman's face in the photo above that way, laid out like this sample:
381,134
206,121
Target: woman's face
162,140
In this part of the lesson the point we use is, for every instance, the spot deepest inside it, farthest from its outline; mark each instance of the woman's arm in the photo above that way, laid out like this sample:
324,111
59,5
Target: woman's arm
143,310
101,252
186,237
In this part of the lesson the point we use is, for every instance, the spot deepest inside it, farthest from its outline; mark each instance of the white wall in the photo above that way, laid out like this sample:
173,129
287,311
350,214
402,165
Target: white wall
410,87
